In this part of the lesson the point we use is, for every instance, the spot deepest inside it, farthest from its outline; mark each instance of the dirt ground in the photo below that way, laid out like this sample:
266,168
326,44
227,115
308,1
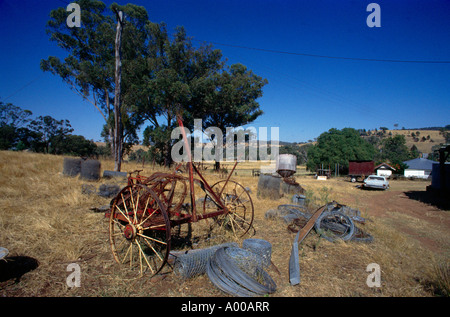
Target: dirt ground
411,238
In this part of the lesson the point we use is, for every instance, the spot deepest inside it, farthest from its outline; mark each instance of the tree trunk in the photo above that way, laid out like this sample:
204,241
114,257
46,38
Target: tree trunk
108,124
118,135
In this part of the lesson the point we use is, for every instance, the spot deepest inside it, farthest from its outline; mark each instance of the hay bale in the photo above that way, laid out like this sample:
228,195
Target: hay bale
71,166
90,170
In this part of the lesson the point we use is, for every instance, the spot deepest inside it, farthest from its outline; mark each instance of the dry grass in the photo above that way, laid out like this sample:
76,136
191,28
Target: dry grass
44,215
422,146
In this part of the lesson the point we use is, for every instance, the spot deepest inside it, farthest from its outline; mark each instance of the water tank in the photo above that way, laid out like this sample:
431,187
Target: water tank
286,164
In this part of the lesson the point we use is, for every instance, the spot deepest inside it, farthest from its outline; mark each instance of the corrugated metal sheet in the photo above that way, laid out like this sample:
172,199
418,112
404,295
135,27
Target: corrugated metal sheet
420,164
360,167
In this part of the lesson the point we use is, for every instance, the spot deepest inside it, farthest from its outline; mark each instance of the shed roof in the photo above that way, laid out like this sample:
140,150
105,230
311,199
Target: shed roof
385,165
420,164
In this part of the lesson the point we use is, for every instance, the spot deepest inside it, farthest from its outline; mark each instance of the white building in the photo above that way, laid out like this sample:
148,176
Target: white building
419,168
384,169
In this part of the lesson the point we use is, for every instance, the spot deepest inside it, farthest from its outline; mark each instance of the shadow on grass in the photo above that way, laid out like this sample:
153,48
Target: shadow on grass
436,199
14,267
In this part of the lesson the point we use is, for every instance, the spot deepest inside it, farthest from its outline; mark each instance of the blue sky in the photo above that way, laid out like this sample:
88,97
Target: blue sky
305,95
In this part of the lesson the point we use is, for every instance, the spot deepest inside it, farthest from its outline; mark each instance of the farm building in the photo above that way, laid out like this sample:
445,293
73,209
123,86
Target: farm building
419,168
384,169
436,175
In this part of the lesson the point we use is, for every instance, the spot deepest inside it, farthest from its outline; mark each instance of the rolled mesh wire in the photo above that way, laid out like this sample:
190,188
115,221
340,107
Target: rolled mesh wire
246,260
239,272
193,262
261,248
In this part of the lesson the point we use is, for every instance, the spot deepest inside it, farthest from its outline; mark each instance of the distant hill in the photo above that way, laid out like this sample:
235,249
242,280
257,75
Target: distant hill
423,139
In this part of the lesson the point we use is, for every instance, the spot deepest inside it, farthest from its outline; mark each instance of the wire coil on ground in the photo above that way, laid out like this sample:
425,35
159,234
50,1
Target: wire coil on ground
194,262
333,225
260,247
239,272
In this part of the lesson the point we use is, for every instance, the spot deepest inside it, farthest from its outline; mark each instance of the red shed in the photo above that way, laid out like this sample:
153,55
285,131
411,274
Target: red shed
360,168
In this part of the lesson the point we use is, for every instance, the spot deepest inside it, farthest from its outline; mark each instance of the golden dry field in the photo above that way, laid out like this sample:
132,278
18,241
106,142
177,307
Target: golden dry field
46,224
422,146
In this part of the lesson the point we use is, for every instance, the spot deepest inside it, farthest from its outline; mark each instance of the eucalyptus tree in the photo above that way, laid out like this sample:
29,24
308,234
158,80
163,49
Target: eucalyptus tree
169,85
194,82
89,67
161,75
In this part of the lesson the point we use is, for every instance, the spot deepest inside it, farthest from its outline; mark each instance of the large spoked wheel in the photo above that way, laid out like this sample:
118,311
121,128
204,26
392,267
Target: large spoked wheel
139,230
237,200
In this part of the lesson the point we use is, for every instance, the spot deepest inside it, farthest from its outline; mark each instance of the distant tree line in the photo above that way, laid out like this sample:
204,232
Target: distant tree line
44,134
340,146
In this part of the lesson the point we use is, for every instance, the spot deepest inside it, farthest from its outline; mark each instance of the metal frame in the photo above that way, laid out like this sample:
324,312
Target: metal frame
163,185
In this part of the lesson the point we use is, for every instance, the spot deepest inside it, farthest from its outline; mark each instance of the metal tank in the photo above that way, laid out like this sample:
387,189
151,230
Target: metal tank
286,165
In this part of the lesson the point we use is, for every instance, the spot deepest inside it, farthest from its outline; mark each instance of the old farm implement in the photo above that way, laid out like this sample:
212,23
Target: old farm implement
145,213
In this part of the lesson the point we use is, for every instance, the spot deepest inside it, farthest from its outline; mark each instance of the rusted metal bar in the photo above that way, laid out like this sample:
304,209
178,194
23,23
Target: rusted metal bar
210,190
294,265
189,164
228,178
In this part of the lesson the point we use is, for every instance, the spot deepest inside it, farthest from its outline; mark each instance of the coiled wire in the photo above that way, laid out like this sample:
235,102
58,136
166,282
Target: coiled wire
193,262
239,272
260,247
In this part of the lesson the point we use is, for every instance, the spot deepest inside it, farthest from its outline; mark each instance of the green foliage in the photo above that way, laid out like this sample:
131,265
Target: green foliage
103,151
339,146
43,134
50,133
321,197
140,156
161,144
301,152
75,145
414,152
12,125
89,67
394,149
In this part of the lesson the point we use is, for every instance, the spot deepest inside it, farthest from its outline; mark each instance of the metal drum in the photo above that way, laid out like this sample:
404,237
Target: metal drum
286,164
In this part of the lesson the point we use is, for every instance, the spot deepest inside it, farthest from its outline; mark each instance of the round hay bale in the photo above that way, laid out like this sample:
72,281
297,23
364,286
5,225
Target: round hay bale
71,166
90,170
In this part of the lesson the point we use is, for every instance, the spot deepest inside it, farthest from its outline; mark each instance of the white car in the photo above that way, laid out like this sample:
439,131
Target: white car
374,181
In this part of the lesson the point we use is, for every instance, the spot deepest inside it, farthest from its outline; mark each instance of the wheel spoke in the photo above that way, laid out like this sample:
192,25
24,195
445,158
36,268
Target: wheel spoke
137,205
123,214
126,209
132,200
237,200
153,249
152,239
148,217
145,210
132,246
128,250
141,252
